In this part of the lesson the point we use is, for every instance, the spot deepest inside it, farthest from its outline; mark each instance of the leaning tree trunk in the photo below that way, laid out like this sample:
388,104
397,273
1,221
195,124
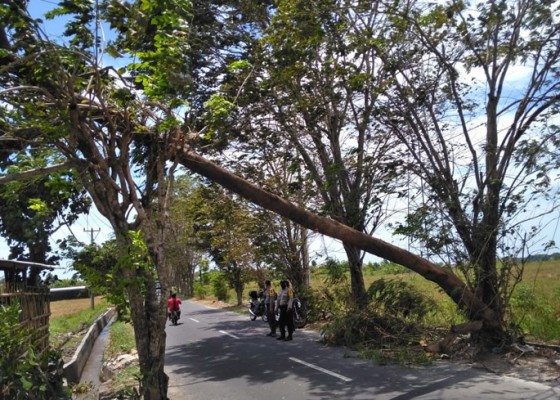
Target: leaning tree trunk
451,284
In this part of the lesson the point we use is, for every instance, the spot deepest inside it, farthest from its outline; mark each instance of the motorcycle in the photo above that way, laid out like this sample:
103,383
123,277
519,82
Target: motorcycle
174,317
298,313
256,305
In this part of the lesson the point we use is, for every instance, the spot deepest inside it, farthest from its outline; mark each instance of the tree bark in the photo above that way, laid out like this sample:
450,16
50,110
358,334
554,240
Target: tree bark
448,281
149,317
358,286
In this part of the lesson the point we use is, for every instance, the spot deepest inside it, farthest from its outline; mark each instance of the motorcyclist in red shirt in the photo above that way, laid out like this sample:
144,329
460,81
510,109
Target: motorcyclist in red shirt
174,304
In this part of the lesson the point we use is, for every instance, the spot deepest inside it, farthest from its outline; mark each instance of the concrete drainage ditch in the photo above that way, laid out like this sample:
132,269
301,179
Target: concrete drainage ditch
74,368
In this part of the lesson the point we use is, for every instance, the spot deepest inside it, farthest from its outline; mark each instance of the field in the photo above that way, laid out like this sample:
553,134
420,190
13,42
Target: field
70,320
69,307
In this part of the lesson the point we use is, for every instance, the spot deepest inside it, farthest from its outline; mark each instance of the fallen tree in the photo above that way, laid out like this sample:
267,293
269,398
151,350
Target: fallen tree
451,284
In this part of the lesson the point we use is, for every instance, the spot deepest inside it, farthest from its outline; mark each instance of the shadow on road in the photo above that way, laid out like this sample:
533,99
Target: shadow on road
220,359
263,362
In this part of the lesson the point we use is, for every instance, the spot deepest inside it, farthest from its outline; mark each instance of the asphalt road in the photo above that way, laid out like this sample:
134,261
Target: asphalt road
214,354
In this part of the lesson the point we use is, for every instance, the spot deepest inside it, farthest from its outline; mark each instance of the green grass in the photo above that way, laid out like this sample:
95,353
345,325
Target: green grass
60,327
121,339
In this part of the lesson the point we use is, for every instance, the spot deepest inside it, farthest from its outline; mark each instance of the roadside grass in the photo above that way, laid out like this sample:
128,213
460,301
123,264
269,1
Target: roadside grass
73,317
401,355
121,340
535,303
70,317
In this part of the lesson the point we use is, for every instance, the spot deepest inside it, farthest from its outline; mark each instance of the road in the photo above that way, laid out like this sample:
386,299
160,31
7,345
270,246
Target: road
214,354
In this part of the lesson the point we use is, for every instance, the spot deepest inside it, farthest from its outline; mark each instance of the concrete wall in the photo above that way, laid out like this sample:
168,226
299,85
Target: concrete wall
73,368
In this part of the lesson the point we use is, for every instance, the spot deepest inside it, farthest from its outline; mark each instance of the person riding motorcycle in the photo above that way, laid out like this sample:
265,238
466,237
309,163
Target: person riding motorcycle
174,304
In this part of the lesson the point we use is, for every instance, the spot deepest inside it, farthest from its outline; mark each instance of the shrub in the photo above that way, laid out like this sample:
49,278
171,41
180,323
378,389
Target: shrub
399,299
327,302
367,328
220,288
200,290
27,375
336,271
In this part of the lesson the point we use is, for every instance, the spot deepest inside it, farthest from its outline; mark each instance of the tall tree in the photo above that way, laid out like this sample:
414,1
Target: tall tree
32,211
226,230
114,126
472,100
183,248
309,99
283,246
103,129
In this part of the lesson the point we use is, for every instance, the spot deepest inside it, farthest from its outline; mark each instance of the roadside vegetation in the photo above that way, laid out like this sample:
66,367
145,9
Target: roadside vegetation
409,318
407,315
121,341
27,374
70,320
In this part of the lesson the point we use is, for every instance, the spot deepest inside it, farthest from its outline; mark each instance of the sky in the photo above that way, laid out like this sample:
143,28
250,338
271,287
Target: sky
95,227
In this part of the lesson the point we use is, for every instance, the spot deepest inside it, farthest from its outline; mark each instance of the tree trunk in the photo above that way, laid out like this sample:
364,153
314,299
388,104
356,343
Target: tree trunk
305,259
356,276
149,316
449,282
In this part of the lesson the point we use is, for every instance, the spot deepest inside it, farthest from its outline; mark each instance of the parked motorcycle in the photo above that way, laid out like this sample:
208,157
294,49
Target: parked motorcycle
298,312
256,305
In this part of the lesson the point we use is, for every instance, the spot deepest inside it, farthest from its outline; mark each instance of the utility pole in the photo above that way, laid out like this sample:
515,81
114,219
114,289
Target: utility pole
91,296
91,232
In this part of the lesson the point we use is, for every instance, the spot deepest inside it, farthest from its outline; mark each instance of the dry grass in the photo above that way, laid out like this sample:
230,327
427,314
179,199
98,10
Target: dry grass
62,308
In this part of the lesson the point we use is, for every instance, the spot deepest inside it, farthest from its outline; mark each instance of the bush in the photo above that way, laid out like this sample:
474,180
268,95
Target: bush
200,290
27,375
524,298
326,303
367,328
336,271
220,288
399,299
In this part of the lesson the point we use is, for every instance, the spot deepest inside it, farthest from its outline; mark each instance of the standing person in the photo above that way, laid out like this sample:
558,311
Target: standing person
174,304
270,309
285,302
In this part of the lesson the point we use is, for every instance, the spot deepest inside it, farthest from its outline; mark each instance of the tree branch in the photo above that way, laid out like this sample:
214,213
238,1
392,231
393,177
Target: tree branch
19,176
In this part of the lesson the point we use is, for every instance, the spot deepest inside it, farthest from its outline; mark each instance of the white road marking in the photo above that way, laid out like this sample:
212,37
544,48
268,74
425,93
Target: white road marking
195,320
326,371
229,334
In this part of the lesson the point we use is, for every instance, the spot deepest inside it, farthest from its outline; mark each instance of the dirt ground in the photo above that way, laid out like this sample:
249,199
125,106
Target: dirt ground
528,362
69,307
